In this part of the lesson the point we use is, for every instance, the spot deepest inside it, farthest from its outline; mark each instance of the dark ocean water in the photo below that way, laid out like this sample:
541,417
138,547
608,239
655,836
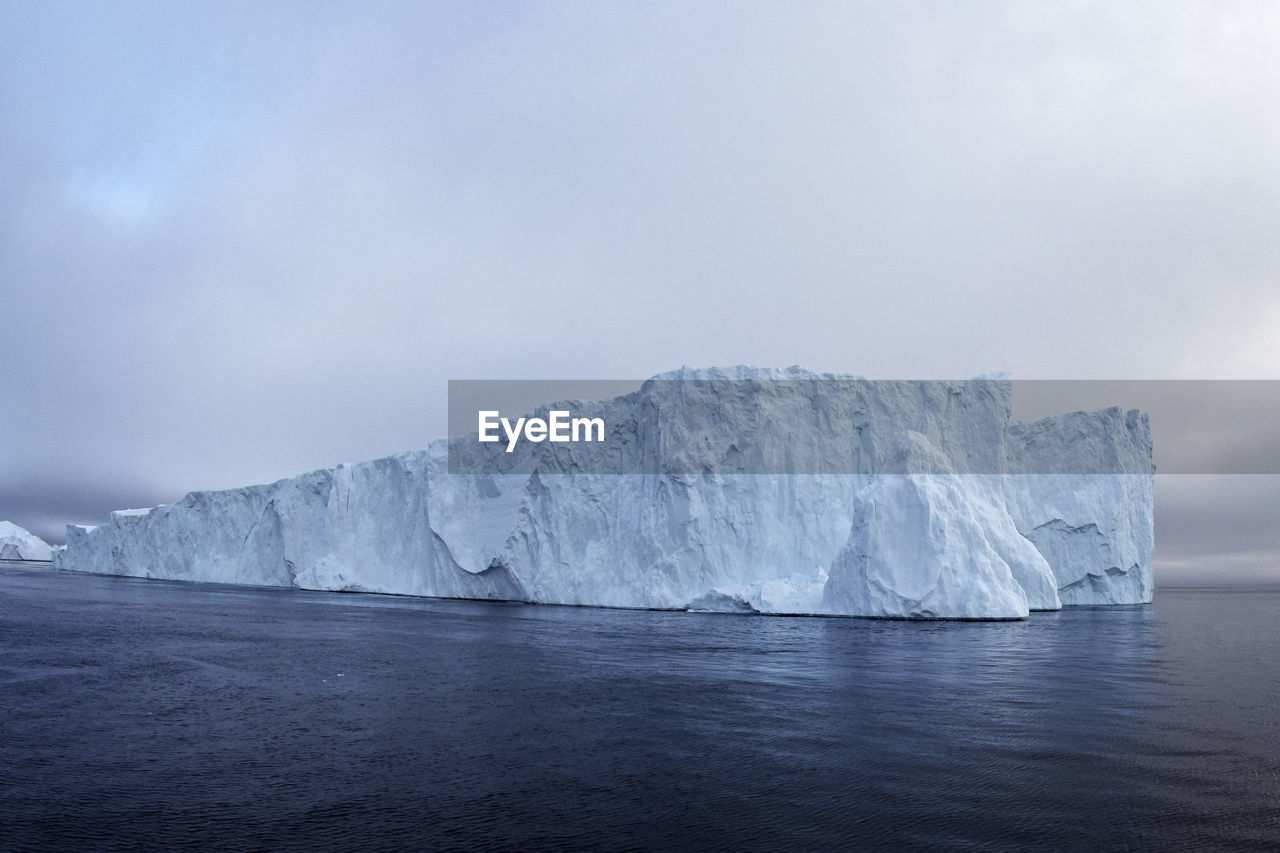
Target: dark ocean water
154,715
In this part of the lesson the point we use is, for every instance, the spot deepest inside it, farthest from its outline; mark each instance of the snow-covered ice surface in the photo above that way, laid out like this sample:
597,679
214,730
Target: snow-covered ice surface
17,543
941,507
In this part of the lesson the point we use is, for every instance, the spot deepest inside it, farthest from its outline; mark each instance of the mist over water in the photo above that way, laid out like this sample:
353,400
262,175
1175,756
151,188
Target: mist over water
147,715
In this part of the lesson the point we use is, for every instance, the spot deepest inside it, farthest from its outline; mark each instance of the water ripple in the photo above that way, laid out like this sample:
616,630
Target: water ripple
143,715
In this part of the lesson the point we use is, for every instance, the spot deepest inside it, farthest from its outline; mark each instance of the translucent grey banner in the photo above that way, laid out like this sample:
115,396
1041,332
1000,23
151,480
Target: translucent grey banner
783,423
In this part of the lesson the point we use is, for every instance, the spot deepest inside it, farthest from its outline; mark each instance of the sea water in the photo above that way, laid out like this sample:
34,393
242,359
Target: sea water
142,714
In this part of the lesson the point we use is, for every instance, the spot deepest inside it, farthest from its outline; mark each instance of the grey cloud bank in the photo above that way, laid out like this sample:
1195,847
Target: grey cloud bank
240,241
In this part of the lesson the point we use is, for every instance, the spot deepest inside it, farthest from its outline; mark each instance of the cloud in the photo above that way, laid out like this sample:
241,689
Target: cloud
45,507
1216,528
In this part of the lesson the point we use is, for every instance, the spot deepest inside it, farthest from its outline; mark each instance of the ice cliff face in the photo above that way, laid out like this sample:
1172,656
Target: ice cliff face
17,543
1095,531
927,512
365,527
933,543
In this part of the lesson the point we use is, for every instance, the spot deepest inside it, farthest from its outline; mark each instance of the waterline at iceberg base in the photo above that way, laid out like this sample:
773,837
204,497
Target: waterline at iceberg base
938,506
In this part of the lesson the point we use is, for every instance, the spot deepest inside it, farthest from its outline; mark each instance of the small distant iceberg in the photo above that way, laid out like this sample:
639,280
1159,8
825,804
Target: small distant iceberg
17,543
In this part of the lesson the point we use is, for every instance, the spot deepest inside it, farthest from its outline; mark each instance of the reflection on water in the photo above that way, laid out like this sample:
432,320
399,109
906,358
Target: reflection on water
153,714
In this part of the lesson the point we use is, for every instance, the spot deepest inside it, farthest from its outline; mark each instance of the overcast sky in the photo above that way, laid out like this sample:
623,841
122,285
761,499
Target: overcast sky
241,241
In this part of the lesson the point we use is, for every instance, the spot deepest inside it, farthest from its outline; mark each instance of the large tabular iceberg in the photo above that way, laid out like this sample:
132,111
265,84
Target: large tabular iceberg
938,507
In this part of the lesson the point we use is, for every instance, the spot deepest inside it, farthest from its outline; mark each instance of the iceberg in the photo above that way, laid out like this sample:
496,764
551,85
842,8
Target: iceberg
17,543
738,490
